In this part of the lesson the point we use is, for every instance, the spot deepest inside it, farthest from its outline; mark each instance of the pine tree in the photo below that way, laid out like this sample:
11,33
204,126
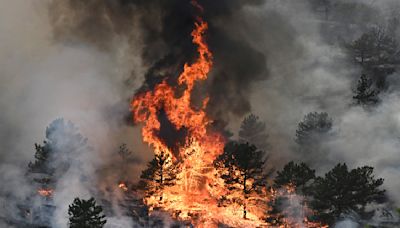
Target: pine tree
365,94
42,158
62,146
126,159
253,131
86,214
63,143
241,165
298,175
375,48
291,186
311,134
343,191
362,49
313,125
161,172
377,52
124,152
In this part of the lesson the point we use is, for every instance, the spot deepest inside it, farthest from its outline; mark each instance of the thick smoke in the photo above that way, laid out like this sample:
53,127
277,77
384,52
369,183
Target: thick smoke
165,28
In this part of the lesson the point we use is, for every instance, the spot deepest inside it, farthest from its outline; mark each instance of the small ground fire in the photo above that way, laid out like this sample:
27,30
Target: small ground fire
45,192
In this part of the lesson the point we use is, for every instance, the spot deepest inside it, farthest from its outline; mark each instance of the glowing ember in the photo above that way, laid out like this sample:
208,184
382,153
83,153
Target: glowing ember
123,186
45,192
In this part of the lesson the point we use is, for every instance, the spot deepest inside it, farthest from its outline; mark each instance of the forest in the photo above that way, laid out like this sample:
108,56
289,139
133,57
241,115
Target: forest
179,113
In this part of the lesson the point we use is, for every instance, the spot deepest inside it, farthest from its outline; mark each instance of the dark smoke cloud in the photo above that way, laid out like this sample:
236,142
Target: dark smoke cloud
165,28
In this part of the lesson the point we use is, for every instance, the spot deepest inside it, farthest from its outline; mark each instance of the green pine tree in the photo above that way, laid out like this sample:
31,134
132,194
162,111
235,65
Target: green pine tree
86,214
293,176
253,131
311,134
298,175
313,125
365,94
343,191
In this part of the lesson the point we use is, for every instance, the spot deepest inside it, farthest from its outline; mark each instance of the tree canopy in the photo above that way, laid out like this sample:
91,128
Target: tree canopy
378,53
365,93
374,48
242,166
86,214
62,144
253,131
313,125
298,175
343,191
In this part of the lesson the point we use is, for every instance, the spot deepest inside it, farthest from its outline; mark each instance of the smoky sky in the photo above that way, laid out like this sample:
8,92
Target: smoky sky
165,28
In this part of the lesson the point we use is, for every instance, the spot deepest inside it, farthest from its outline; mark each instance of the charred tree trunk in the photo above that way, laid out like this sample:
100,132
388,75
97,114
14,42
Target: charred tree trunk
245,197
161,183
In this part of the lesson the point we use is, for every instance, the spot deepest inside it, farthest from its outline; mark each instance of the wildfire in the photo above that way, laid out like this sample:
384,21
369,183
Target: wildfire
45,192
196,194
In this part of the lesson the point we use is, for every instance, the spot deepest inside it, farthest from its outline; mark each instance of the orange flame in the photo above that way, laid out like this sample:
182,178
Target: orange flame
45,192
197,190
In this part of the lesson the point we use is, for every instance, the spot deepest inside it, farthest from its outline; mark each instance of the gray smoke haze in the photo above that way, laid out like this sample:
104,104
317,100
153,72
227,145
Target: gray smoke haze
308,74
83,60
41,80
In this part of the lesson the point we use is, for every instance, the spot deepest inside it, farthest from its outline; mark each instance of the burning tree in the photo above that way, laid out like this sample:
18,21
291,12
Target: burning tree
214,184
63,144
161,172
241,166
86,214
43,170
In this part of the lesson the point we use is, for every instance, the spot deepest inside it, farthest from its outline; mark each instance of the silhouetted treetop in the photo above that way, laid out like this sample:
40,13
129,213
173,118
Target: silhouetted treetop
86,214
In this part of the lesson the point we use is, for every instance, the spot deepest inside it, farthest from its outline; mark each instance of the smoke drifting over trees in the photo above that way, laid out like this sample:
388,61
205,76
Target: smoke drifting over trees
282,60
